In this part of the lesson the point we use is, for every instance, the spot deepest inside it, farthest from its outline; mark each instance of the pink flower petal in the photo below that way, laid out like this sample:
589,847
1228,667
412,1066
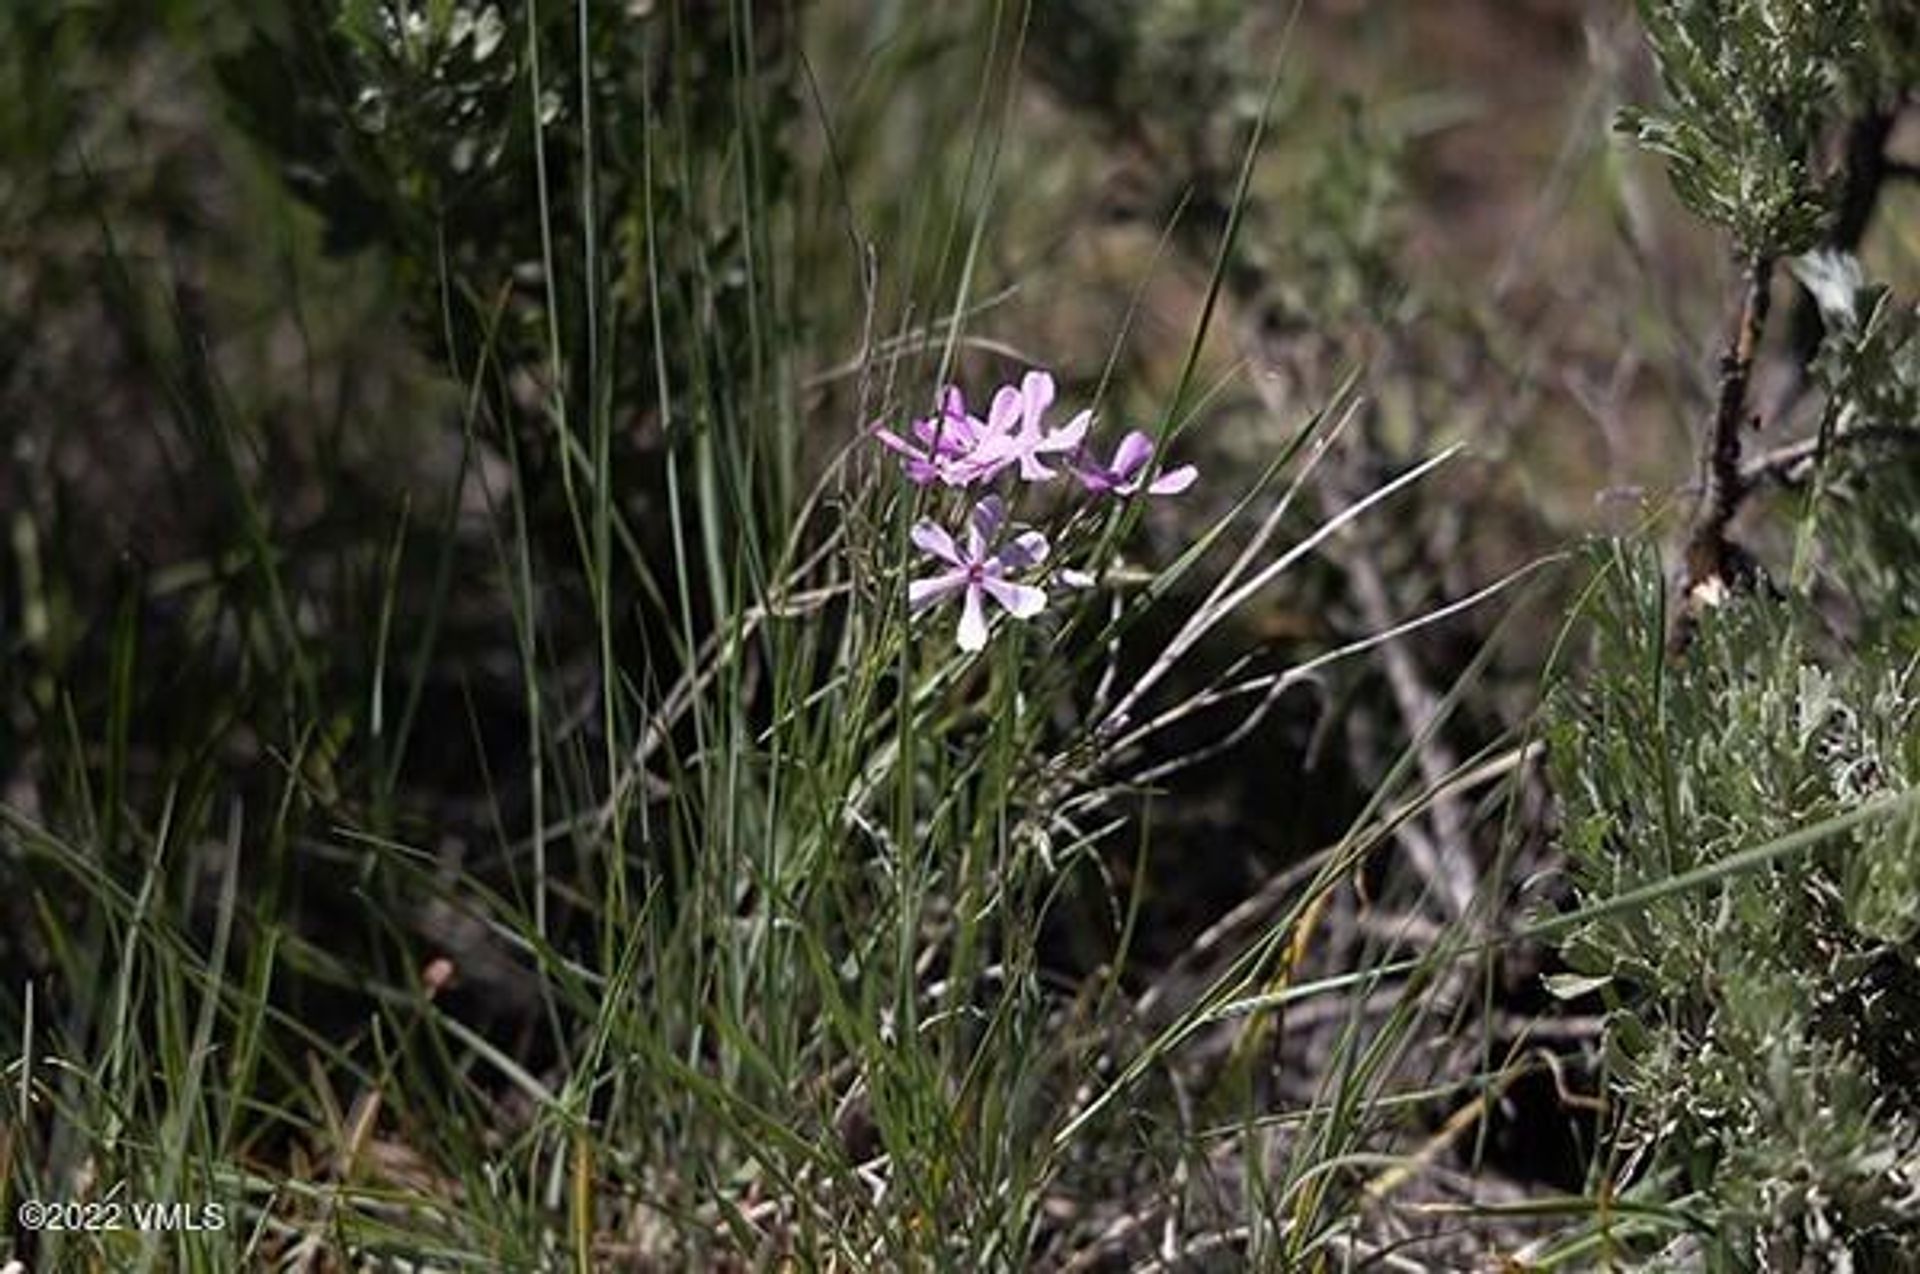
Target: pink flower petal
1036,395
1006,412
964,473
1069,436
973,621
950,431
894,442
1022,601
1173,481
940,437
934,541
982,525
1134,450
1032,470
1029,548
922,593
1095,479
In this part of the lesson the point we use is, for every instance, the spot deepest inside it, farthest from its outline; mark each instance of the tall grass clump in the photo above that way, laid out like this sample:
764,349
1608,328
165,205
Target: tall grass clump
631,819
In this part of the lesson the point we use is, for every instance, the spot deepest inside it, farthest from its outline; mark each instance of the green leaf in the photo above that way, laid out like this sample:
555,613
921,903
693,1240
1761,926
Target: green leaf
1573,986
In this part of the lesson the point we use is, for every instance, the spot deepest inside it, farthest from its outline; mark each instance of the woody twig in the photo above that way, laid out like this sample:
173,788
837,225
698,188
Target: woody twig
1714,564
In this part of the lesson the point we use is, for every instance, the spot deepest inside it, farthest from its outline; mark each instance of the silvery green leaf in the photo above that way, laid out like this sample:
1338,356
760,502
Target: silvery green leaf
1834,279
1572,986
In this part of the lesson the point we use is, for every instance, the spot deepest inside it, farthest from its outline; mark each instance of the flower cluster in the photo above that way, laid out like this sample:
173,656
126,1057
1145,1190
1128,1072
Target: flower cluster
955,449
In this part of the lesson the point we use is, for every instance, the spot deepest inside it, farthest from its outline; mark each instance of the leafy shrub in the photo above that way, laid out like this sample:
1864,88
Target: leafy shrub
1767,1029
1735,767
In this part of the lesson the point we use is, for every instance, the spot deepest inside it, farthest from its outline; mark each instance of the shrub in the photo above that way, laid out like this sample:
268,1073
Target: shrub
1736,762
1766,1032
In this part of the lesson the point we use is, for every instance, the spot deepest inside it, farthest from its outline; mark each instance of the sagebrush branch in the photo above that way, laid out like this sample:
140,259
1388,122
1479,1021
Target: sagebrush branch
1786,463
1710,556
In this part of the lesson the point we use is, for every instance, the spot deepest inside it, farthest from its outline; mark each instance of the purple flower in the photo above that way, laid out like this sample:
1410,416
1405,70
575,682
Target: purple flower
1016,433
976,573
1122,475
948,439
